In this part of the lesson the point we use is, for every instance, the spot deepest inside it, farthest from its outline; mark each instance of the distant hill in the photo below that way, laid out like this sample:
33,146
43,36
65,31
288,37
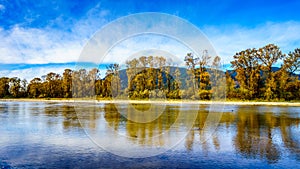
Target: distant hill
274,69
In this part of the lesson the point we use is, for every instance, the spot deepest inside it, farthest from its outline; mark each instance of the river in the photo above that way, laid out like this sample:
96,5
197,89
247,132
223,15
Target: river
106,135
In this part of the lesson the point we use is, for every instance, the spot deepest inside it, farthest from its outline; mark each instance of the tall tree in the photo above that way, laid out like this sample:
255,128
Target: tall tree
15,86
292,61
289,87
35,88
268,56
53,85
67,83
203,76
161,62
177,84
131,71
248,73
115,81
151,73
191,62
4,87
23,89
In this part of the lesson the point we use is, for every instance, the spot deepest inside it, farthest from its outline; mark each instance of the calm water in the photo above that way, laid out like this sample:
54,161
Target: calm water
64,135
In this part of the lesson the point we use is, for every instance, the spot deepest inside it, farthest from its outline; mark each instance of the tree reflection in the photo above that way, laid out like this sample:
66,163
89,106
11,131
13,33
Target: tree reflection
140,128
87,115
112,116
290,143
70,117
255,134
255,131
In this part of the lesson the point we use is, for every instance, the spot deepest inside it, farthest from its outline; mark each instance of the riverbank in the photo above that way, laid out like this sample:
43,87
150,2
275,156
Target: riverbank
252,103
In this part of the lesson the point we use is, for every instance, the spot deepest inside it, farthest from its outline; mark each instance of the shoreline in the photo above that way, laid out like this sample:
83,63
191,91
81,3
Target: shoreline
250,103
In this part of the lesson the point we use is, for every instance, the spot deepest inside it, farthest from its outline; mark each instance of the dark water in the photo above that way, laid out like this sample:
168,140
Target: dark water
49,135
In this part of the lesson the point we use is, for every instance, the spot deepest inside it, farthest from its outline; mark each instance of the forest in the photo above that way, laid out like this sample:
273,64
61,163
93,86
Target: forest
253,76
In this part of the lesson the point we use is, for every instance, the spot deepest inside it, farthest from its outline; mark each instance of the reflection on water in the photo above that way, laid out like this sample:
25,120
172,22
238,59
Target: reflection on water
268,134
141,128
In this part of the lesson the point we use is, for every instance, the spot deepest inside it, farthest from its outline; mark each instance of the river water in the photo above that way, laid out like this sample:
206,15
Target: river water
106,135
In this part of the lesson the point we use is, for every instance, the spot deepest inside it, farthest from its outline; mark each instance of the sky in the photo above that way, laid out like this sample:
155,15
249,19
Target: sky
42,36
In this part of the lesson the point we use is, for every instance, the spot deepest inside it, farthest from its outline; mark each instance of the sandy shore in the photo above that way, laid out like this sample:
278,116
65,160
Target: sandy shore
156,102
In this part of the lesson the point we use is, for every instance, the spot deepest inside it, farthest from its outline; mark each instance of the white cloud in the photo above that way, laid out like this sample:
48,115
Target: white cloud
228,40
37,46
49,45
146,45
2,8
140,32
31,73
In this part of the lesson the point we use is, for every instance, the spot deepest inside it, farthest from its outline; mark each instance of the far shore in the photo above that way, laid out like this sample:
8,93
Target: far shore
252,103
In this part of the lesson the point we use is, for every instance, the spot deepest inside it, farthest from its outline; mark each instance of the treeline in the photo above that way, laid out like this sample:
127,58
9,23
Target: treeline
253,78
256,79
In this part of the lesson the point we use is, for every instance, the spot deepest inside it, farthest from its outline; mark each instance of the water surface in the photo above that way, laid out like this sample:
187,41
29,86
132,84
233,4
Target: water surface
49,135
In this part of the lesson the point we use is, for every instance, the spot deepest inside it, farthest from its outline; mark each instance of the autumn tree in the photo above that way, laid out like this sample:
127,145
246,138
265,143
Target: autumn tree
161,62
131,71
191,62
217,80
288,81
231,91
176,93
15,86
35,88
53,85
203,77
248,76
92,76
67,83
4,87
79,83
268,56
151,73
292,61
113,71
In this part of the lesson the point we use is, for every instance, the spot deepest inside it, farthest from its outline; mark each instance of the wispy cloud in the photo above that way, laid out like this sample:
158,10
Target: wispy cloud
30,45
231,39
2,8
31,72
49,45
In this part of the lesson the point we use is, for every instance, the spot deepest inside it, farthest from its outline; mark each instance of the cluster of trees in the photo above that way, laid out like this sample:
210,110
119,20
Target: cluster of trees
257,78
253,77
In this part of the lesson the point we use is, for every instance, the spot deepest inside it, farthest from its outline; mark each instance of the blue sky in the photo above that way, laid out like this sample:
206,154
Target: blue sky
53,33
